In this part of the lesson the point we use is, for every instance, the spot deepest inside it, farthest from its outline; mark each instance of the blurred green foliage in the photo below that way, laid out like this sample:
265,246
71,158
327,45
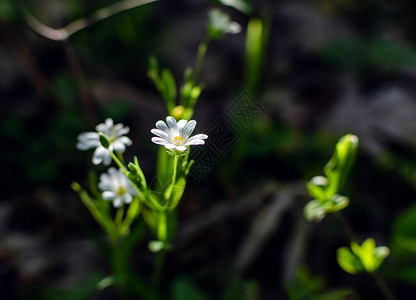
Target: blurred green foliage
355,55
325,190
364,258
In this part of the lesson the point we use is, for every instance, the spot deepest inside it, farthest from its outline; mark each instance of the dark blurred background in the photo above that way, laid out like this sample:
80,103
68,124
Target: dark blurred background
328,68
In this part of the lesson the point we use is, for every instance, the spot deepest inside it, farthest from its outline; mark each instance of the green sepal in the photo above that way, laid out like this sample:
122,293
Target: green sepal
104,140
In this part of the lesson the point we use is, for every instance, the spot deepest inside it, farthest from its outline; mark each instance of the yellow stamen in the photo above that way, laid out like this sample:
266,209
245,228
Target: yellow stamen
121,191
177,139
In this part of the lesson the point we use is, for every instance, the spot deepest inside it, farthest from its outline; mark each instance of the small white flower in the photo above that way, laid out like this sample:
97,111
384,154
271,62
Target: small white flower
115,135
176,136
116,187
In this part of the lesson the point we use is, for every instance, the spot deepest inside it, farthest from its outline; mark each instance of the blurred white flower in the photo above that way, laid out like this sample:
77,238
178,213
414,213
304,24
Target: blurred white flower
220,23
176,136
115,135
116,187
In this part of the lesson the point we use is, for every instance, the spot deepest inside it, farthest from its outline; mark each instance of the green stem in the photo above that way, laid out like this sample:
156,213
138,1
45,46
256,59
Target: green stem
158,269
119,263
202,50
120,157
162,227
119,216
118,162
383,286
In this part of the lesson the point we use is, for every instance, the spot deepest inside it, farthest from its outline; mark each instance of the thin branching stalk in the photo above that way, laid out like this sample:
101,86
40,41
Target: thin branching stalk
65,32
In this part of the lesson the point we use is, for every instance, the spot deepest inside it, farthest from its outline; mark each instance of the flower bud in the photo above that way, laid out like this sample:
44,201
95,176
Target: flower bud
104,141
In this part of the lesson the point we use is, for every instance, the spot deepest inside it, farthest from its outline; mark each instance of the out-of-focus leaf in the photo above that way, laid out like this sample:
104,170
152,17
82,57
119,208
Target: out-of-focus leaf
7,11
404,233
317,186
238,289
364,258
339,165
348,261
357,55
254,53
183,289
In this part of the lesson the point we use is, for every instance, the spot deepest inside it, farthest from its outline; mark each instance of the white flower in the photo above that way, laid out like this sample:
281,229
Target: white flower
116,187
115,135
178,135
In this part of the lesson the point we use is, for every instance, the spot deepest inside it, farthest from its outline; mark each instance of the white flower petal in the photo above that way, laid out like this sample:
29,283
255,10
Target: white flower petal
118,146
98,155
189,128
89,135
120,129
86,146
107,158
162,126
132,190
109,122
200,136
182,124
169,146
108,195
125,140
159,141
117,202
88,140
191,142
126,198
105,183
160,133
180,148
173,126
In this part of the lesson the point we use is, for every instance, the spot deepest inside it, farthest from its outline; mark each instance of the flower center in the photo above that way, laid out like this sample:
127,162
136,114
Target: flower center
177,140
121,191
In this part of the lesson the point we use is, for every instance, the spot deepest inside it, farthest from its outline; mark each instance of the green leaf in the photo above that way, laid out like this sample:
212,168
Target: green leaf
317,187
348,261
357,55
336,170
8,11
255,47
336,203
404,233
183,289
364,258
